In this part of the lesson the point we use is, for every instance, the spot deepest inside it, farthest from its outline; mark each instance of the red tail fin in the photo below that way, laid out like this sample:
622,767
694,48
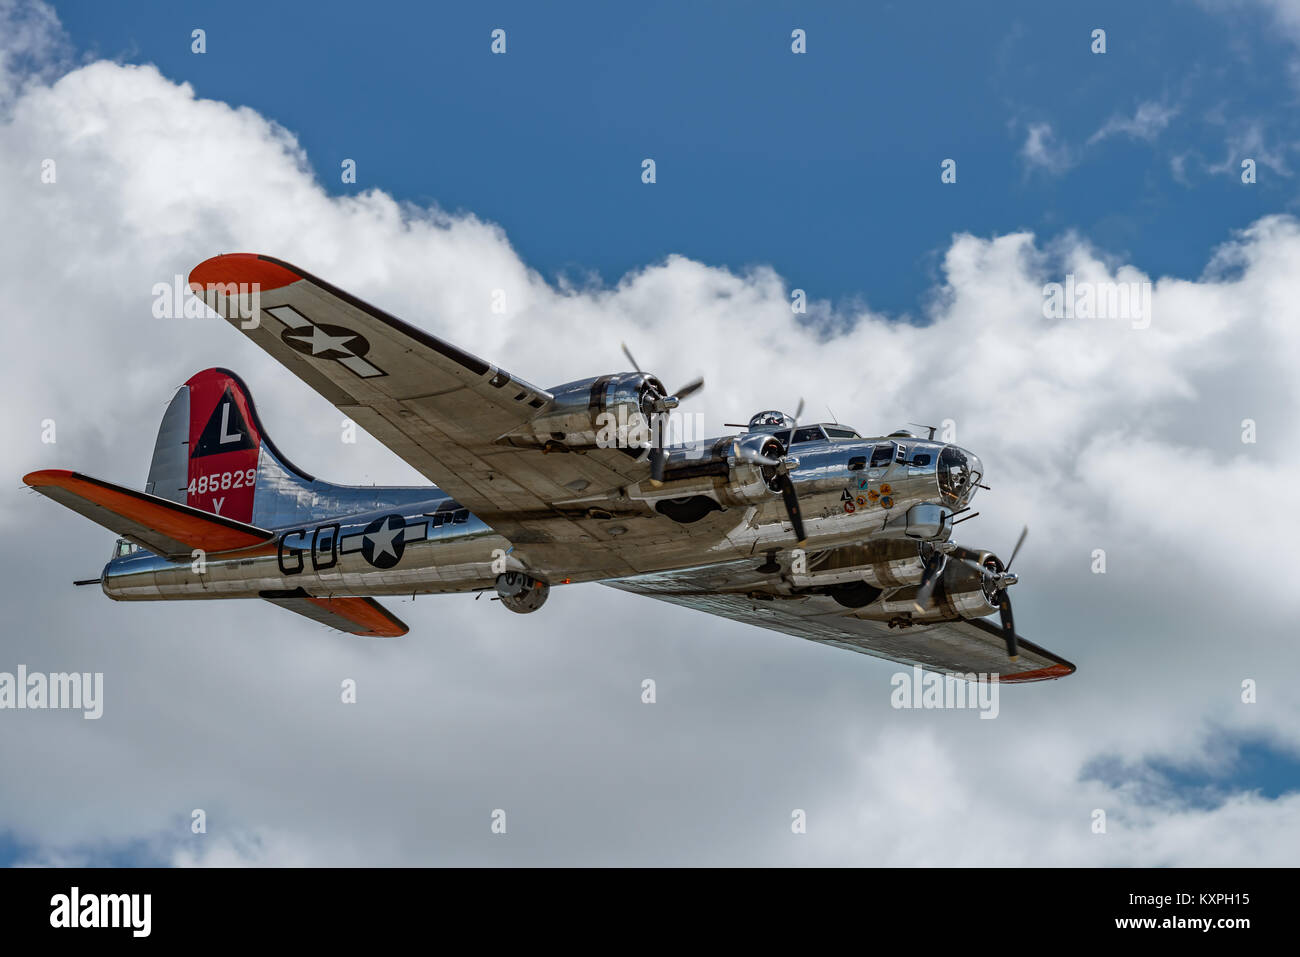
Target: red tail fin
207,453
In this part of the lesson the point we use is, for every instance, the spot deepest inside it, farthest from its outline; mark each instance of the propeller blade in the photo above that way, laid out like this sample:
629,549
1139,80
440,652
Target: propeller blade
929,577
791,499
628,352
658,459
1008,626
1016,551
798,411
692,387
751,456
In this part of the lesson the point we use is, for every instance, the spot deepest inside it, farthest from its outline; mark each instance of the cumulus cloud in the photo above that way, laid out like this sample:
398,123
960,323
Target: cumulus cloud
1099,435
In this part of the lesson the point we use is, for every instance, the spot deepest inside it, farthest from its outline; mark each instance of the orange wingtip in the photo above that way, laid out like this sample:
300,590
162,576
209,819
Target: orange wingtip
1040,674
249,268
367,614
213,534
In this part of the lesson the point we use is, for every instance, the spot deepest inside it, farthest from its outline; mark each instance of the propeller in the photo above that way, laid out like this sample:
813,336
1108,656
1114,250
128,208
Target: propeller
990,566
630,358
784,484
791,499
934,565
664,403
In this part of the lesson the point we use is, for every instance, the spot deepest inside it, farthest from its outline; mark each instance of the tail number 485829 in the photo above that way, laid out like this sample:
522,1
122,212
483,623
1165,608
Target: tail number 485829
219,481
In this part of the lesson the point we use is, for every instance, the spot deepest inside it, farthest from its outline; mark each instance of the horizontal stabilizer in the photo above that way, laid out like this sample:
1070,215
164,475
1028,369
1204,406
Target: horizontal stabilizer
162,526
355,616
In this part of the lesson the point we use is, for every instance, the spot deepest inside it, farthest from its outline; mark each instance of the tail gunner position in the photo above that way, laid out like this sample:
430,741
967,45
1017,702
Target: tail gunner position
807,529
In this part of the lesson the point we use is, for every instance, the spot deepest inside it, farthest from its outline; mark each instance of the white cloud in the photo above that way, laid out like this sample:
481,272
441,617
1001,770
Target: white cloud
1096,434
1042,150
1148,122
1248,140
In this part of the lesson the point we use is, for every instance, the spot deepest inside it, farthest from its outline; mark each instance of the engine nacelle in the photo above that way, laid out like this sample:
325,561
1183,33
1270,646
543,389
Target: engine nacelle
522,593
957,594
883,565
610,411
701,477
723,463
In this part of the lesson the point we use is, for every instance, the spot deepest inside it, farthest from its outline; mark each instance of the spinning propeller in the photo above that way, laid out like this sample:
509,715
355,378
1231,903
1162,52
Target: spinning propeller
659,406
783,466
994,574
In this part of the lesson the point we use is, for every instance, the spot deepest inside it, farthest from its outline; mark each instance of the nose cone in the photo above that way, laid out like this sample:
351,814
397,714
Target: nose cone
960,472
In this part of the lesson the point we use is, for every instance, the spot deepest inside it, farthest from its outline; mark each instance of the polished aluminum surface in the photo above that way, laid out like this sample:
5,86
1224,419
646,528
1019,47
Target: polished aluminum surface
528,490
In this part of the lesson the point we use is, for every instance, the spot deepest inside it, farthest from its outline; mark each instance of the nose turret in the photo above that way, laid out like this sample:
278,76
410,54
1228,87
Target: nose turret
960,473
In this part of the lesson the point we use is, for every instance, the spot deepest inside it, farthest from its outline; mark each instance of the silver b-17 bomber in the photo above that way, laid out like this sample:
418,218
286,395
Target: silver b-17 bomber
808,529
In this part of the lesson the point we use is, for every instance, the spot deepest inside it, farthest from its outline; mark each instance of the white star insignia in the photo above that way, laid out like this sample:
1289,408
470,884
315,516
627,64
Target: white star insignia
321,341
381,541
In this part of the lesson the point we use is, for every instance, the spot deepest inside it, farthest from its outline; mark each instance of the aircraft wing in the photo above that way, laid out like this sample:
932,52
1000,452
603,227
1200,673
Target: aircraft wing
438,407
164,527
734,590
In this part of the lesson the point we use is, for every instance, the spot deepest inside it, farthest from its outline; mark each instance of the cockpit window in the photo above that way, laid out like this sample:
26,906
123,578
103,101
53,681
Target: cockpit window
841,433
809,433
882,455
783,437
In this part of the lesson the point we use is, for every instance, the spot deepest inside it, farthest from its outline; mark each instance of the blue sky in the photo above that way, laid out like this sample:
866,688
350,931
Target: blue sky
824,165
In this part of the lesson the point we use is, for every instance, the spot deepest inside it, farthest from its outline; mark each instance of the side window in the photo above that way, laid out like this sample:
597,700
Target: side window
450,512
882,455
811,433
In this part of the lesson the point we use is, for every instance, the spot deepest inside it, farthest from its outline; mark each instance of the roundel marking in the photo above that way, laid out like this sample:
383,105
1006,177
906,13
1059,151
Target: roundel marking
323,341
382,543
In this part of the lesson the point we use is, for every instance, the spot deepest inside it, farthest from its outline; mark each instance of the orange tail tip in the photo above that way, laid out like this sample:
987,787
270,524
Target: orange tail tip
166,527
